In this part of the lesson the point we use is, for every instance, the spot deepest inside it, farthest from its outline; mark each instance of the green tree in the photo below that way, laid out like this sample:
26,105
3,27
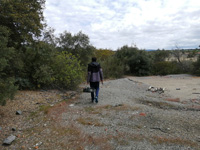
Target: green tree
23,19
103,54
136,61
7,88
160,55
165,68
78,44
196,67
37,60
112,67
67,72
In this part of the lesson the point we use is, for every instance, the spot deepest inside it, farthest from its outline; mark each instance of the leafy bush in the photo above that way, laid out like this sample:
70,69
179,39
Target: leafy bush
112,68
77,44
164,68
36,71
67,72
196,67
7,88
103,54
136,62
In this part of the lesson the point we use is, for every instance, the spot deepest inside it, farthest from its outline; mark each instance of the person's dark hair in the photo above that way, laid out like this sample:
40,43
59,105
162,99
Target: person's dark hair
94,59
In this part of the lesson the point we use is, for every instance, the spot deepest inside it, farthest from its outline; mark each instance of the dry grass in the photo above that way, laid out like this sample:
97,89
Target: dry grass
162,105
173,99
120,107
173,140
45,108
91,110
123,139
89,121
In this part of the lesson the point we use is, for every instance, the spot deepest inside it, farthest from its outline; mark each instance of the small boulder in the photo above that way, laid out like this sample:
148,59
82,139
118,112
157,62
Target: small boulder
14,129
9,140
19,112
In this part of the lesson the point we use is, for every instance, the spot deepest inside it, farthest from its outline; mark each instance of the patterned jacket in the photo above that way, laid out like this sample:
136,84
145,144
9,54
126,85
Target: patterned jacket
95,73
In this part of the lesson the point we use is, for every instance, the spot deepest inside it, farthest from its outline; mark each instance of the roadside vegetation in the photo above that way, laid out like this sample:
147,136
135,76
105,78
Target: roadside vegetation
32,57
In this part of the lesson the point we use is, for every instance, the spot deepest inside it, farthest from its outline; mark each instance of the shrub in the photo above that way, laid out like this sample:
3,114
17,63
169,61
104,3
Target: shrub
164,68
136,62
196,67
67,72
36,71
112,68
7,88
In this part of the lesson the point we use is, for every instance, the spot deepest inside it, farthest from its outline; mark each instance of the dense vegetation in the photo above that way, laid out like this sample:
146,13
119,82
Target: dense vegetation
32,57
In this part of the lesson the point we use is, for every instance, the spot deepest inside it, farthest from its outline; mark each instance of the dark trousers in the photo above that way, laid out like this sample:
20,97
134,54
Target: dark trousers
94,85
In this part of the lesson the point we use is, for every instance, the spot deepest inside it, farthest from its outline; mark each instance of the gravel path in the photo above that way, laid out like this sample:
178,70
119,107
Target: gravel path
127,117
140,119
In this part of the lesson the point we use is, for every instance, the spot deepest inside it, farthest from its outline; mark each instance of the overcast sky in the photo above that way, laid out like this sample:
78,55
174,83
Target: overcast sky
150,24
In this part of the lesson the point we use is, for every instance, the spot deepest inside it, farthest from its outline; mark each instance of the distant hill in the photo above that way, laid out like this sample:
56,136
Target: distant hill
151,50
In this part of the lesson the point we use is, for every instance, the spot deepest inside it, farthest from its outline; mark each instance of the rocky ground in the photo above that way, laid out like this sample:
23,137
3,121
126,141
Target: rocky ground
127,117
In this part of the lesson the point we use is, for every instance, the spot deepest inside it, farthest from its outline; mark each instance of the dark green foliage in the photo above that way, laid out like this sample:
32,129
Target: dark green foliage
103,54
23,19
196,68
46,68
36,71
67,72
30,63
112,67
165,68
136,62
7,88
78,45
160,55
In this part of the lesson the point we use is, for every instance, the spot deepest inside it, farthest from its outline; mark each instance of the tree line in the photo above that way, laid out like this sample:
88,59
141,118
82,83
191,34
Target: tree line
32,57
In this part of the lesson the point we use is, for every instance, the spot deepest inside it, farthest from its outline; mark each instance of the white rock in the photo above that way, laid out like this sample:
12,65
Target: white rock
9,140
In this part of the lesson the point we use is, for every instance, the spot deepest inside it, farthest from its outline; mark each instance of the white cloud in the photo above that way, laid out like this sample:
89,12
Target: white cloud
112,24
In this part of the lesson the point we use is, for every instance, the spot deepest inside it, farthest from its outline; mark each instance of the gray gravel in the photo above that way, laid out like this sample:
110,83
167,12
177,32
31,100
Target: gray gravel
139,119
127,117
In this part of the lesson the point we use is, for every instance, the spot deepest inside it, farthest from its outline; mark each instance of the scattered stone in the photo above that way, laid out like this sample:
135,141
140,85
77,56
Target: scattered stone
155,89
198,139
71,105
9,140
134,113
162,130
36,146
118,105
19,112
14,129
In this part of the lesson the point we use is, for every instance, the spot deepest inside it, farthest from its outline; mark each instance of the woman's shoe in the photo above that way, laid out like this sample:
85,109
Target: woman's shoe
96,99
